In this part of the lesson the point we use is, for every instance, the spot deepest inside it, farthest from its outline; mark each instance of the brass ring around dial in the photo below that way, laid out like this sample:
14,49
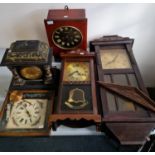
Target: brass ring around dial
67,37
31,73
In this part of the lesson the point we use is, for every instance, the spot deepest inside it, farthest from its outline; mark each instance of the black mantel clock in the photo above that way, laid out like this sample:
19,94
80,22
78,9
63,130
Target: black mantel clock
30,64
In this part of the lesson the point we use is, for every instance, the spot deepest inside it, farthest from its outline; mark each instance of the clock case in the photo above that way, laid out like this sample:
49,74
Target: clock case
27,53
65,17
76,117
128,126
45,131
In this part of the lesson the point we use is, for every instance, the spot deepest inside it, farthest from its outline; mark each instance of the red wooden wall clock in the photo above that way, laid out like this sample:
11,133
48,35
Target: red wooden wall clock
66,30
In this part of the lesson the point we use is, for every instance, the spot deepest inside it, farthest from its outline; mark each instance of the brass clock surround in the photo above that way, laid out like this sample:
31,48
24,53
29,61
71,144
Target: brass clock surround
76,71
72,34
115,59
31,72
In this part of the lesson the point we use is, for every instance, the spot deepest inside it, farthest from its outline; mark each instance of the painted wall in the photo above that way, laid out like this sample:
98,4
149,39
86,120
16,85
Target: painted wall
25,21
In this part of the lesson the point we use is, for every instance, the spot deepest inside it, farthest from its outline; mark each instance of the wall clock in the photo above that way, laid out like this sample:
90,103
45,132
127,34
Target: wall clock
116,65
66,30
77,91
26,113
30,63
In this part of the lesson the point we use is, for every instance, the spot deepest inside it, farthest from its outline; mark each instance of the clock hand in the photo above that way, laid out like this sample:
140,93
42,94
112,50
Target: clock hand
27,101
81,74
28,113
73,73
112,59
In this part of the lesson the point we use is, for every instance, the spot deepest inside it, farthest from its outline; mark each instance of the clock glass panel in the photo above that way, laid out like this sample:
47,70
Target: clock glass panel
27,114
115,59
31,73
76,71
67,37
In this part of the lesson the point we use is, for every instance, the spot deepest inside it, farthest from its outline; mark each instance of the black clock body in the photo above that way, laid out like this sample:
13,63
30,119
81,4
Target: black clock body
30,63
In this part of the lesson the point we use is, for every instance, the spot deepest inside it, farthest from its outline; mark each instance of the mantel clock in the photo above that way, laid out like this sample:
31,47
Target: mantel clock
66,29
30,63
119,77
77,90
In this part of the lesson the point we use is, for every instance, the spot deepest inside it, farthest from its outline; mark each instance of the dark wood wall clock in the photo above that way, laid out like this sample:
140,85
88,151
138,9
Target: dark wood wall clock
26,113
30,63
66,29
117,70
77,90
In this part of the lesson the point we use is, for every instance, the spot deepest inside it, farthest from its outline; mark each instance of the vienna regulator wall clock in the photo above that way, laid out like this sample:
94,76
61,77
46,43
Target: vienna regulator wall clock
125,103
66,30
77,90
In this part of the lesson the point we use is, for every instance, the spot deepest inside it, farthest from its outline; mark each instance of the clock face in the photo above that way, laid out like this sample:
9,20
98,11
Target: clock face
67,37
27,113
115,59
76,71
31,73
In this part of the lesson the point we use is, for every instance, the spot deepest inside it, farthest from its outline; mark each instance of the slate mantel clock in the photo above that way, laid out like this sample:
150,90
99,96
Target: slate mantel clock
66,29
30,63
77,89
117,70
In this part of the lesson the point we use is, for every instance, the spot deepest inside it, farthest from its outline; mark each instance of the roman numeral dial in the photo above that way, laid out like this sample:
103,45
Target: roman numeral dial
67,37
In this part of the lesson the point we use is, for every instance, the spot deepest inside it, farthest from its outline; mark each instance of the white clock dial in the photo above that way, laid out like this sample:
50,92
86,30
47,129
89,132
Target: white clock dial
28,113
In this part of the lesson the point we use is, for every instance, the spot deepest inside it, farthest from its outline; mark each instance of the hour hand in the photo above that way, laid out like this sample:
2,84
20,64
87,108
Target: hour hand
28,113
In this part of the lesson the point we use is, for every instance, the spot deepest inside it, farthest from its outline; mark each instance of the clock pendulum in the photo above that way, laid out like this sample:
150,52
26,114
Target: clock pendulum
76,99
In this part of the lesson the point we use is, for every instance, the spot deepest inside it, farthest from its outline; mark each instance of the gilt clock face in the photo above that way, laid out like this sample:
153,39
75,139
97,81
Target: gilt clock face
115,59
31,73
76,71
67,37
27,114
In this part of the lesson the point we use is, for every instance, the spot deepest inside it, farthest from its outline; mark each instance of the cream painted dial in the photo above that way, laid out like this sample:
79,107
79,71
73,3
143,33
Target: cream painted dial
28,113
115,59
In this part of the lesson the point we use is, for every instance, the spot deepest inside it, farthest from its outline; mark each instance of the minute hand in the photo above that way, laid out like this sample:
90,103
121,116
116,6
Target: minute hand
112,60
73,73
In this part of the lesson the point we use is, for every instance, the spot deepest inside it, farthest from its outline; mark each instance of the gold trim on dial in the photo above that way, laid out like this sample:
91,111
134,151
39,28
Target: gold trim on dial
31,73
67,37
